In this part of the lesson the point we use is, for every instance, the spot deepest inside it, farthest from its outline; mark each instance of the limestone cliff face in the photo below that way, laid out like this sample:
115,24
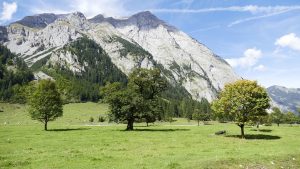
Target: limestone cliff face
286,99
141,40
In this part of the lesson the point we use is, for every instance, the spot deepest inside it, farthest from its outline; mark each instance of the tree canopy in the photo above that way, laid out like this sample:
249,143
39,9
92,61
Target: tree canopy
137,100
45,103
277,116
241,101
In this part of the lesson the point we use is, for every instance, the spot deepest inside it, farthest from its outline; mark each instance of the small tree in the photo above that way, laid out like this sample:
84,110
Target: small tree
290,118
241,101
277,116
45,103
202,112
197,115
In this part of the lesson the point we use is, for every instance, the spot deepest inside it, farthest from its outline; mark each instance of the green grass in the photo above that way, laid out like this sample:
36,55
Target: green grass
73,144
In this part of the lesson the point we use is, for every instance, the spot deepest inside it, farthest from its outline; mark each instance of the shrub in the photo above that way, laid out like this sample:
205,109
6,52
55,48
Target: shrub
101,119
91,119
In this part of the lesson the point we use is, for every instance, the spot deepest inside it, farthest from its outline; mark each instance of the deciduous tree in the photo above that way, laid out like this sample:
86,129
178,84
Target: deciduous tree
277,116
139,99
241,101
45,103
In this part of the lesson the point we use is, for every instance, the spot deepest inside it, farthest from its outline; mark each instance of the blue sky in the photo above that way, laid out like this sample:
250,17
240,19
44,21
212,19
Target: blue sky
259,38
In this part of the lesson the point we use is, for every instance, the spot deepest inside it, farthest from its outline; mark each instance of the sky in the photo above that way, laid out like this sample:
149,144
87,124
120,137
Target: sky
260,39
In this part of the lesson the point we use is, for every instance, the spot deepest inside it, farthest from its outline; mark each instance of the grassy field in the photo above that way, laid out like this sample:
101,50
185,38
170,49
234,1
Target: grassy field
74,142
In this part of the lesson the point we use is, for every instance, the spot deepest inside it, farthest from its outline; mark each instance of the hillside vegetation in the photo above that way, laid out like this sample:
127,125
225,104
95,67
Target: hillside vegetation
14,74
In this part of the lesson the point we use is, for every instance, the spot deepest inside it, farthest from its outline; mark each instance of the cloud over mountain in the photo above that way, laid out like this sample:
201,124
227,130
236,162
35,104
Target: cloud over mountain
8,9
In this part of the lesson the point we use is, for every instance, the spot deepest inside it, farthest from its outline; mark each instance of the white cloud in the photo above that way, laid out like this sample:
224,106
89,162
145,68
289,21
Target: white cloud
290,40
249,8
89,8
259,11
250,58
8,10
205,29
184,2
260,68
257,17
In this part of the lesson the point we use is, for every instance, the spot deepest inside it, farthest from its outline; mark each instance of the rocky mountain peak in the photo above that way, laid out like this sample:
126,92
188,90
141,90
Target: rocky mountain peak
97,19
38,21
145,15
76,14
76,19
145,19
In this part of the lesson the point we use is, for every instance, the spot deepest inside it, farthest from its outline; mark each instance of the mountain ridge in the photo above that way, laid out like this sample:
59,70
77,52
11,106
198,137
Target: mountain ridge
188,62
287,99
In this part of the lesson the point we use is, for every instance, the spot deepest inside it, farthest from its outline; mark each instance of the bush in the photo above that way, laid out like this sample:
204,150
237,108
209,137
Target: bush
101,119
91,119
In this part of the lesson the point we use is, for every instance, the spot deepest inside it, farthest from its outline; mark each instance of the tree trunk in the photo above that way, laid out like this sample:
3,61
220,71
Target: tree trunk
130,124
242,130
147,124
277,124
45,128
257,125
198,122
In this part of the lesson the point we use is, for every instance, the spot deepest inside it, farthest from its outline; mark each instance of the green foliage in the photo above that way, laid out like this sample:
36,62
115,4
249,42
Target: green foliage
91,119
99,67
277,116
202,111
139,99
40,63
14,74
132,49
101,119
45,103
242,101
290,118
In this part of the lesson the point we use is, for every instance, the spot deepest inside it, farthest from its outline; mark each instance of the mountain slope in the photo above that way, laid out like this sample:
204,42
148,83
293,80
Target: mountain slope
141,40
287,99
197,68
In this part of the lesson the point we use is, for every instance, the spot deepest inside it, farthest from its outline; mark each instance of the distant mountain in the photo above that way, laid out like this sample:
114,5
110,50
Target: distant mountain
47,41
287,99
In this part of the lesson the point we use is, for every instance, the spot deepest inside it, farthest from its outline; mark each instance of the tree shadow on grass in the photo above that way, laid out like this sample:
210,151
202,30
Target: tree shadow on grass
72,129
158,130
256,137
262,130
143,126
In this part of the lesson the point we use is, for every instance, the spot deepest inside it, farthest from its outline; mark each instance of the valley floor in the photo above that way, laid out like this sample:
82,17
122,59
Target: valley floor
74,142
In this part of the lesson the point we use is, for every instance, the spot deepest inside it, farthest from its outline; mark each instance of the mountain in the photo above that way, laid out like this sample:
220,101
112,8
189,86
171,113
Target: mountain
287,99
142,40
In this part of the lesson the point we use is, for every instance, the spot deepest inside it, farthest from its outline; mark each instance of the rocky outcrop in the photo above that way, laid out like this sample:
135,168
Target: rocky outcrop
39,21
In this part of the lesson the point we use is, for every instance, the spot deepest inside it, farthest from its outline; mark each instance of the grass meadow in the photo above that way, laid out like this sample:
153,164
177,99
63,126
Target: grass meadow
74,142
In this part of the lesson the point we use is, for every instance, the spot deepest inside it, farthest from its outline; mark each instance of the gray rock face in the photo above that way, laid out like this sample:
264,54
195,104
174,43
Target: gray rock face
143,20
190,63
38,21
287,99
